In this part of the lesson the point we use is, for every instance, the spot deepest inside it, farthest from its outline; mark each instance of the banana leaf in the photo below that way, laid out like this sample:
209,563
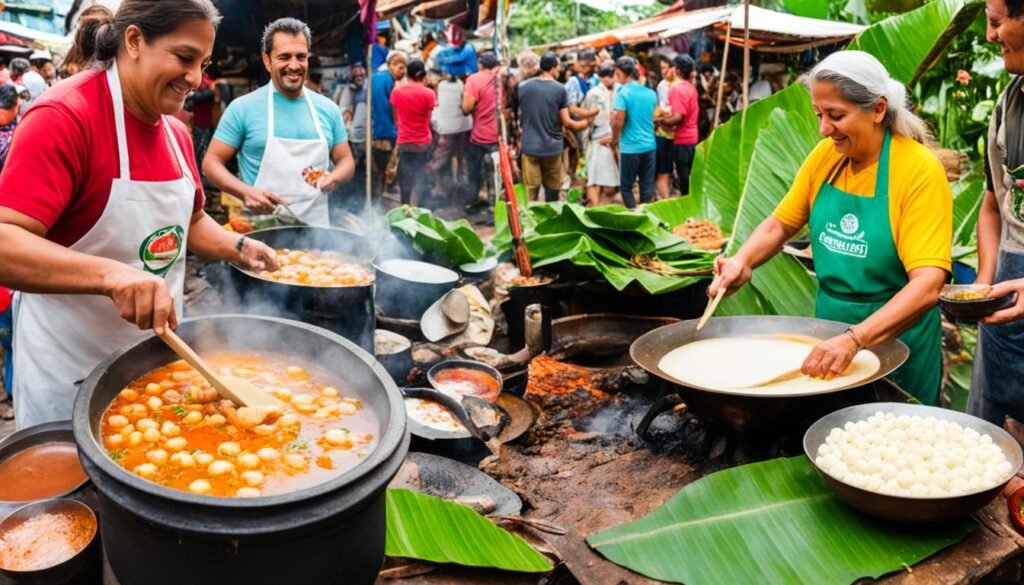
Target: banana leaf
909,44
430,529
807,8
769,522
968,194
456,241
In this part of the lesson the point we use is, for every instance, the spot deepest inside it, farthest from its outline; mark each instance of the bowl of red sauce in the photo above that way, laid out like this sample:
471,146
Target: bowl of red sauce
466,378
47,541
39,463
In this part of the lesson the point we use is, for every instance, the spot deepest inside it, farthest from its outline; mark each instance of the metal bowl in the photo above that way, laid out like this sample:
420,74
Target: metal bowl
910,509
51,432
467,364
65,570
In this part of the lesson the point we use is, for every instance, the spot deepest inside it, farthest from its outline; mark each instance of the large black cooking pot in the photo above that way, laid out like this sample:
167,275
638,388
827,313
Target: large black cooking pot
770,409
345,310
332,533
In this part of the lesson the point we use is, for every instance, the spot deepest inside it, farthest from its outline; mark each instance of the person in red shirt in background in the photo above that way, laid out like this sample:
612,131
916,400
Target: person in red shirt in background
685,111
99,198
413,104
481,100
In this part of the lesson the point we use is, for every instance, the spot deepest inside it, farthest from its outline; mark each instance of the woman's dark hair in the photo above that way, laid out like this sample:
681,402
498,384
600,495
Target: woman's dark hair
8,96
684,65
416,70
155,18
1015,8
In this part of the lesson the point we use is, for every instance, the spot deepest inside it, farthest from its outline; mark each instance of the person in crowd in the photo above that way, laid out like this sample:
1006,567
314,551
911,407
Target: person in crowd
480,99
201,102
413,104
25,79
633,132
42,64
529,64
76,58
286,137
543,112
997,387
707,93
732,96
664,132
95,217
684,118
383,129
453,128
580,81
10,109
602,167
352,103
880,236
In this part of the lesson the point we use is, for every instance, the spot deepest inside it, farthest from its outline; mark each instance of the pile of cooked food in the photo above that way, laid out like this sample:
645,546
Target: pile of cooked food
318,268
701,233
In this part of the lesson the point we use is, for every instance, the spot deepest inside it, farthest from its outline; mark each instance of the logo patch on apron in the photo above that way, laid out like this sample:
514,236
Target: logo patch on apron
161,249
845,238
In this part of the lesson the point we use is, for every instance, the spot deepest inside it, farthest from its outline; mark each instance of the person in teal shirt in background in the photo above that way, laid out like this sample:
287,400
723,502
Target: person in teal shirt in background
281,130
382,118
633,132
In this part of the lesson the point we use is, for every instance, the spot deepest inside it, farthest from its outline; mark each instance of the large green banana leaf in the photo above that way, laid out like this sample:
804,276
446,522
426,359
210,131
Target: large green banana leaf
456,241
968,194
770,522
430,529
909,44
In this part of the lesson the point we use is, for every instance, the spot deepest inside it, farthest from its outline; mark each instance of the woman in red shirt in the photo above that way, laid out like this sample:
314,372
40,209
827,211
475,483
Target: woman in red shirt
413,103
100,196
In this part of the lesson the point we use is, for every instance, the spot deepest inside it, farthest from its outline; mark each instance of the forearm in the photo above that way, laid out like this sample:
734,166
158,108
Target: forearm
209,239
344,168
990,225
34,264
617,124
904,309
766,241
223,179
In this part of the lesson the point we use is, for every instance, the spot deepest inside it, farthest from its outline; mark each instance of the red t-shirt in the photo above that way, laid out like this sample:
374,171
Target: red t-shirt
480,85
63,159
5,299
413,103
683,100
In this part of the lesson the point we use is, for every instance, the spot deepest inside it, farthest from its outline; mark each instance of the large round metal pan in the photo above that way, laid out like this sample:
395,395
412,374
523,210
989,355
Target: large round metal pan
649,349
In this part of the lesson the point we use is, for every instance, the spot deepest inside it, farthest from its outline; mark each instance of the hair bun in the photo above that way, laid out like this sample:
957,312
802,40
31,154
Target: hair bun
896,94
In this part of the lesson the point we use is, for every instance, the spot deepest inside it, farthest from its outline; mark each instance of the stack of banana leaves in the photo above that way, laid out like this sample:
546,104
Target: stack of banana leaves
622,246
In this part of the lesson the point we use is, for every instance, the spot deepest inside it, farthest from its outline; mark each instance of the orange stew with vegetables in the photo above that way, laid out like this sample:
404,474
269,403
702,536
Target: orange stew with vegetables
172,428
317,268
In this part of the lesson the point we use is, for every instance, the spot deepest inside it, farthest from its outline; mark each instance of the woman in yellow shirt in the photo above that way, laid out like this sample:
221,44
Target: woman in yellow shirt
880,214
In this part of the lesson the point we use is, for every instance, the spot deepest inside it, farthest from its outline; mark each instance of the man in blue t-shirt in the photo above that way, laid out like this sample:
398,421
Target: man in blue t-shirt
384,132
287,139
633,132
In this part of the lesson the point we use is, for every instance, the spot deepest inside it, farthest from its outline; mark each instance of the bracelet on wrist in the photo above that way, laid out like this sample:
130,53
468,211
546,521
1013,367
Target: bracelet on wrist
849,331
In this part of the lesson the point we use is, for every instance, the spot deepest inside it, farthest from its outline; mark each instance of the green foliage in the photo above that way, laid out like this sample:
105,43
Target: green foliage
453,241
769,522
545,22
428,528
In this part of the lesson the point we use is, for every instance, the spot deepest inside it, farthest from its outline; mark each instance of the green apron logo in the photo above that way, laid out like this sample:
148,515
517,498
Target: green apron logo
844,239
161,249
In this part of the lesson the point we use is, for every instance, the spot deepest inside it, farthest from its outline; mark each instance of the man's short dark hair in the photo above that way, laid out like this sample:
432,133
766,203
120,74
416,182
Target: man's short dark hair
291,26
684,65
627,65
705,68
416,70
548,62
488,60
587,56
8,96
19,66
606,72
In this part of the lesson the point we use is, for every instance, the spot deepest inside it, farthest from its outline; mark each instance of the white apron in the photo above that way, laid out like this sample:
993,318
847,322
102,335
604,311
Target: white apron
283,162
59,339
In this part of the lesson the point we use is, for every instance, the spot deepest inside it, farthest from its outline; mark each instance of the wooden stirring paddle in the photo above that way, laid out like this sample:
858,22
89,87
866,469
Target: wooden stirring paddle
711,308
238,390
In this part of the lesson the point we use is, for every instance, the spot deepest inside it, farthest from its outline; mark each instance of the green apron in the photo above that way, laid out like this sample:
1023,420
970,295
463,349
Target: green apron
859,271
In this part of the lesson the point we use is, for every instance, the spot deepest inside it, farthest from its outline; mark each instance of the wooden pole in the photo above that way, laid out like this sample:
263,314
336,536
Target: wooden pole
369,128
746,54
721,74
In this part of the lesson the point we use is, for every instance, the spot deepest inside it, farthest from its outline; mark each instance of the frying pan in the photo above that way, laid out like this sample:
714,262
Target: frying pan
772,408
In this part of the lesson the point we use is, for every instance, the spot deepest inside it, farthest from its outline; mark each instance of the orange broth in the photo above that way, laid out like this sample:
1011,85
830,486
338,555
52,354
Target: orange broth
319,435
41,471
467,381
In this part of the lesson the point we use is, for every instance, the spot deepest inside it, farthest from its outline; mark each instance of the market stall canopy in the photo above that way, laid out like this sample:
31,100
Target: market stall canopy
769,30
55,43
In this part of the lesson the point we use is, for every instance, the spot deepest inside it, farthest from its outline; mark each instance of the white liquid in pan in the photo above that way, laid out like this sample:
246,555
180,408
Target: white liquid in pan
743,365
